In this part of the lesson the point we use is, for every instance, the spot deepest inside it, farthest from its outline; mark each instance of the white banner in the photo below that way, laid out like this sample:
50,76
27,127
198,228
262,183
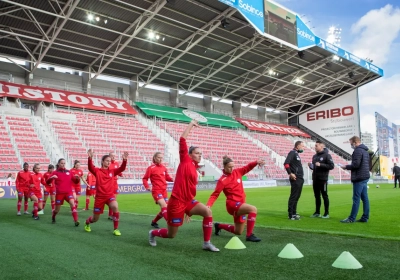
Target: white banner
336,121
259,184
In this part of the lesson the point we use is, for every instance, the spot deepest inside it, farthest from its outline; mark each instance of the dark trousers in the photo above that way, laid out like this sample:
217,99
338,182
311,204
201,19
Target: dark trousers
396,178
321,188
295,193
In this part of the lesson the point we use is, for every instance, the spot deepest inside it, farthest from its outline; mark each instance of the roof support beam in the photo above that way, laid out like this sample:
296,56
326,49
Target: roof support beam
56,32
137,26
233,55
190,42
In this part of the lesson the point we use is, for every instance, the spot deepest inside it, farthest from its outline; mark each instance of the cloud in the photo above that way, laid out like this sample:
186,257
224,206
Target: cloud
375,32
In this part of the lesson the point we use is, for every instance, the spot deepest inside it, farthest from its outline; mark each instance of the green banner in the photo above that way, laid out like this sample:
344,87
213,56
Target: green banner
176,114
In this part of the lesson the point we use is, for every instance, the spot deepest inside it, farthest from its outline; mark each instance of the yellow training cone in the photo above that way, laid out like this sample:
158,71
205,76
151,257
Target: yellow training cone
290,252
346,261
235,244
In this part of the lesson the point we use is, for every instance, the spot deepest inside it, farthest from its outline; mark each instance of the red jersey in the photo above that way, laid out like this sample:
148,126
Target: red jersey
186,176
78,172
232,185
64,181
46,176
158,175
105,181
36,179
91,179
23,179
115,165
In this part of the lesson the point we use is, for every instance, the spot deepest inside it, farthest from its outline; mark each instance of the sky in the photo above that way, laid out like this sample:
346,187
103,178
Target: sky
370,28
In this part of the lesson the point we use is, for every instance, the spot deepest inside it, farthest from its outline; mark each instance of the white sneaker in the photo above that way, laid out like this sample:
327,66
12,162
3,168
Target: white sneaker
18,213
210,247
27,213
152,239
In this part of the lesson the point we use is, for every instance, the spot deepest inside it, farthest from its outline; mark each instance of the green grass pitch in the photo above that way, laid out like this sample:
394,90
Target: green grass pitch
40,250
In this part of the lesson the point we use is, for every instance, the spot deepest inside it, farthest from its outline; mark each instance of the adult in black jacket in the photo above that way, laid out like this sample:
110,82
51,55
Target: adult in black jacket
359,177
321,164
396,173
294,168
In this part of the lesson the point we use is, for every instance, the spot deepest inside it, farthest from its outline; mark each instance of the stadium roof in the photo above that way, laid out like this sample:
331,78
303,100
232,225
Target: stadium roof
175,43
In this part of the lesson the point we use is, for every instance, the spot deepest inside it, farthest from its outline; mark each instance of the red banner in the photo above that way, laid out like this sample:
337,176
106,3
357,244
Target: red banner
66,98
272,128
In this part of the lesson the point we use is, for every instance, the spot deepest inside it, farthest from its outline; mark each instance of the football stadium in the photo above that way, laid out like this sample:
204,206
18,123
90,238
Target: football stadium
149,109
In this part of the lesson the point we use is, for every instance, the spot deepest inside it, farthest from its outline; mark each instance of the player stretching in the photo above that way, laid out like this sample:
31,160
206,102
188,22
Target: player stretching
182,198
105,189
232,186
113,165
63,180
49,189
90,188
76,188
35,192
22,186
158,175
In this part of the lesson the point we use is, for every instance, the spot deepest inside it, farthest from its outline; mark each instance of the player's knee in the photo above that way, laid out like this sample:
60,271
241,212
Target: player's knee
171,234
238,231
207,212
253,209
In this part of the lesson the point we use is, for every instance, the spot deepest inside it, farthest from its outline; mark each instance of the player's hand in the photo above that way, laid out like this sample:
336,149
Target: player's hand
309,164
209,207
149,189
76,176
261,162
194,123
317,164
54,177
90,153
187,219
32,185
292,177
125,155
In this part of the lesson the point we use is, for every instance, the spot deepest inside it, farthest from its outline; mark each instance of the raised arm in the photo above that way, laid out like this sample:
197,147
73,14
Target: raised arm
91,166
214,196
246,169
192,124
121,169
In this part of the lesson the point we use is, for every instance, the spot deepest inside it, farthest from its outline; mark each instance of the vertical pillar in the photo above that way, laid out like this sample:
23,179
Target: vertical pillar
208,104
262,114
28,75
134,89
86,86
174,96
237,109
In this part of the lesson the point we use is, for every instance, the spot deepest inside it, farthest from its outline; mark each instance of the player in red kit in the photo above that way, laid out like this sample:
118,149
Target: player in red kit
231,184
63,180
50,190
90,188
105,189
182,200
22,186
35,192
158,175
76,188
113,165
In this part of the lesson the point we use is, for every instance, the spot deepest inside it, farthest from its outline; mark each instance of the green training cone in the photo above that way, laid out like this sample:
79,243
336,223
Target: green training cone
290,252
346,261
235,244
40,212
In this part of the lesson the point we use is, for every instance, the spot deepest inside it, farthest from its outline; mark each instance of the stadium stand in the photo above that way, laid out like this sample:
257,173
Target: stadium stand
106,133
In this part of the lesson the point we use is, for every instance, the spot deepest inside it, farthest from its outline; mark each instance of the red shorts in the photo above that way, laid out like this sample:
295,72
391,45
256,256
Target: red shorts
23,193
50,191
100,202
36,193
157,195
60,197
91,191
176,211
77,189
233,207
